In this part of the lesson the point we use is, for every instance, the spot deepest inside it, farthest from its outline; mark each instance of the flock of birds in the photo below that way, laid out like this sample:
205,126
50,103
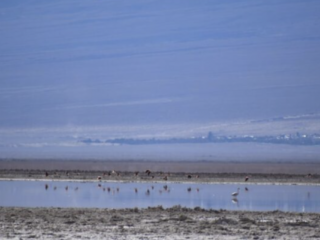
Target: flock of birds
151,189
148,191
113,190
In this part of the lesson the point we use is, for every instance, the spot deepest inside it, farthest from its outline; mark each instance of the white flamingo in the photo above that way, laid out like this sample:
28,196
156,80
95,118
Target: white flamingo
235,194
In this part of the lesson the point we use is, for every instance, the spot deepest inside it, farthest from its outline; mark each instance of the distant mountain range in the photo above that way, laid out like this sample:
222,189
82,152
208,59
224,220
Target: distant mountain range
292,139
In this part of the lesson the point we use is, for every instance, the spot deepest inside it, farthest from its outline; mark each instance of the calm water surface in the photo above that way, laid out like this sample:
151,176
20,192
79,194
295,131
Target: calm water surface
293,198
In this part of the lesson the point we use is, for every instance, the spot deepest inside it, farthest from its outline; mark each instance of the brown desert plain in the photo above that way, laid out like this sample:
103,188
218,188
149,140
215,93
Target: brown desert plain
158,222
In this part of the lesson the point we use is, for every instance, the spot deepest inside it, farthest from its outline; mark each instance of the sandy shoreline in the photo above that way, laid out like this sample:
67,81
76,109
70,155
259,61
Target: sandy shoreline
158,223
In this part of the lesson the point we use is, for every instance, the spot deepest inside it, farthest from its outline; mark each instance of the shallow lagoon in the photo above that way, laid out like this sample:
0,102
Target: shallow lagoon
292,198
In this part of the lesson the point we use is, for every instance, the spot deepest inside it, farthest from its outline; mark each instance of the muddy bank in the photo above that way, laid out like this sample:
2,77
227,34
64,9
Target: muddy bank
162,171
155,223
166,166
160,176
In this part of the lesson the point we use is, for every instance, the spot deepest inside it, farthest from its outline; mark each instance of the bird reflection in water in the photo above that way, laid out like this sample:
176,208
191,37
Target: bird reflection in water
235,201
308,195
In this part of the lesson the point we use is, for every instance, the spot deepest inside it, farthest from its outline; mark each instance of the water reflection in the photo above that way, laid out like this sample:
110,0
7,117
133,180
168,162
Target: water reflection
129,195
235,201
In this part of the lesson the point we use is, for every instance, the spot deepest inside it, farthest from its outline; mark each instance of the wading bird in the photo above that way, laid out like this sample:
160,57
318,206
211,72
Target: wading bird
235,194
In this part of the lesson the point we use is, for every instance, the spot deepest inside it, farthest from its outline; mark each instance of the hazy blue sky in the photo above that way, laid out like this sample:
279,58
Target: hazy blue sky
166,63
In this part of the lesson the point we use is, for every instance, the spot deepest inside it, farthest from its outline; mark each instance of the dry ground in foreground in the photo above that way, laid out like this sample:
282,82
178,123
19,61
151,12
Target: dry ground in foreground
155,223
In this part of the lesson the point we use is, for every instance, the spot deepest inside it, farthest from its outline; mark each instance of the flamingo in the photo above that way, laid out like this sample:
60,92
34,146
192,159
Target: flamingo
235,194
